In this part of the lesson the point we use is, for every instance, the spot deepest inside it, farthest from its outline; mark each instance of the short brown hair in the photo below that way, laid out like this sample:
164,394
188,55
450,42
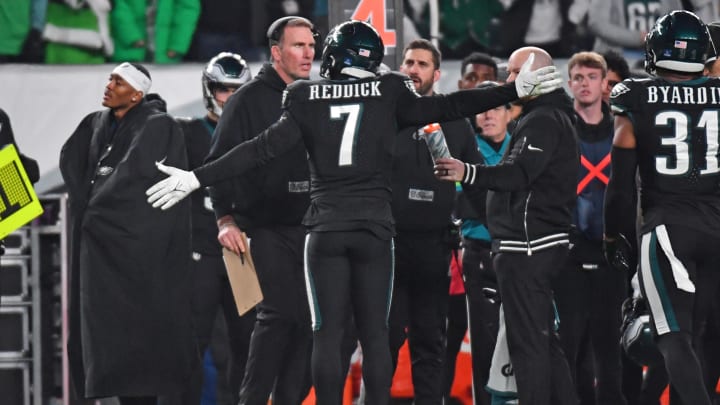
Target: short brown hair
588,59
428,46
276,31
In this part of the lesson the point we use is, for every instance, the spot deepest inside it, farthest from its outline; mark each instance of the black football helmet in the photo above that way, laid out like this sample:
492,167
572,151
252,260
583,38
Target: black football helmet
678,41
225,69
352,48
637,339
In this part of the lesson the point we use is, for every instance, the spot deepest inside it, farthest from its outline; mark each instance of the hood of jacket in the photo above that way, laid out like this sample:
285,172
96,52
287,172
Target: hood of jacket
558,99
270,76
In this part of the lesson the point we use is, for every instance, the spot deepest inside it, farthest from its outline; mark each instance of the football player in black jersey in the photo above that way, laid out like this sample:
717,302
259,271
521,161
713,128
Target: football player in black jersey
221,76
667,128
348,122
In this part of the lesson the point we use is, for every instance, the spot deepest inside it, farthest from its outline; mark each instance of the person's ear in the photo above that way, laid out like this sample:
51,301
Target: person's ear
275,52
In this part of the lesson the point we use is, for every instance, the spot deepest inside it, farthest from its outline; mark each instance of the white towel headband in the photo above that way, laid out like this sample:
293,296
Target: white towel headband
133,76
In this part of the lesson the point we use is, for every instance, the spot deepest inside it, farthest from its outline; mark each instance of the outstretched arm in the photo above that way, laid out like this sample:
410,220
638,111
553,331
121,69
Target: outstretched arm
277,139
465,103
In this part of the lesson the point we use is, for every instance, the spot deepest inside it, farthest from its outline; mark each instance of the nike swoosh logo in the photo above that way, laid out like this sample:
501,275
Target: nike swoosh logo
533,148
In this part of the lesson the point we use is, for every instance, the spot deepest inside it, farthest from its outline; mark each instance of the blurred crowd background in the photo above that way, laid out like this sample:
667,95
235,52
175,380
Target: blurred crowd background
173,31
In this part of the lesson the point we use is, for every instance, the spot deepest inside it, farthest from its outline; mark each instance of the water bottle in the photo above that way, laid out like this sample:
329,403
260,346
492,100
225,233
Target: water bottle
435,140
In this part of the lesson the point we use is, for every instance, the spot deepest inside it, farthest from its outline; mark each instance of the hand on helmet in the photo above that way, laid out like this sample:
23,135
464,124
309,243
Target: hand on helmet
536,82
170,191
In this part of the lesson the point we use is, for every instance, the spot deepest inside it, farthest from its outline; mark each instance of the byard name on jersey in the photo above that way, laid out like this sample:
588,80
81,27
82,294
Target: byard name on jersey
683,95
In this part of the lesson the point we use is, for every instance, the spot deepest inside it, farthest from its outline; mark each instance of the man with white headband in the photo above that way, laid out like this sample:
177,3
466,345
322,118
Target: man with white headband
130,333
129,83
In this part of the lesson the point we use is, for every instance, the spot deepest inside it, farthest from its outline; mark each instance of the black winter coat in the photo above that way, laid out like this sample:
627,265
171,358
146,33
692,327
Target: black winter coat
130,331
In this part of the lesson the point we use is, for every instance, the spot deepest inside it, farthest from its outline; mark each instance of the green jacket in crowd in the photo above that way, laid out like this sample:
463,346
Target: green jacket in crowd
174,26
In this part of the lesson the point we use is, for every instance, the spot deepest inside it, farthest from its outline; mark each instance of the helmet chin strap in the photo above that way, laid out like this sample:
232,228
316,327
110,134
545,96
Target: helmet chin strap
356,72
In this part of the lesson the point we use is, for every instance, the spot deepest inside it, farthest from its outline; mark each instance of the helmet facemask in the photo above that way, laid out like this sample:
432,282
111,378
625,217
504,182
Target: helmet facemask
228,70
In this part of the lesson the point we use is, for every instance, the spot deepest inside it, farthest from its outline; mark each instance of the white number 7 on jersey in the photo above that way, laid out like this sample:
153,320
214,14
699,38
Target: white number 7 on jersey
351,128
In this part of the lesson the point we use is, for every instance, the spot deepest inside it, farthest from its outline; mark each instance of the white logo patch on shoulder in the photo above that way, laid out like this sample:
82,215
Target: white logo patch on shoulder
409,84
284,98
618,90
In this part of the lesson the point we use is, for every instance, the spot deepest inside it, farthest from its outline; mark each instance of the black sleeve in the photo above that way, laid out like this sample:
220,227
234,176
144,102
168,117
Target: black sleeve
277,139
476,197
413,110
31,168
620,194
8,138
232,129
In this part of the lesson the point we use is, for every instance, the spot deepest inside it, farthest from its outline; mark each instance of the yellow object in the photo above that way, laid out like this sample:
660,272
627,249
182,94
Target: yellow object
18,202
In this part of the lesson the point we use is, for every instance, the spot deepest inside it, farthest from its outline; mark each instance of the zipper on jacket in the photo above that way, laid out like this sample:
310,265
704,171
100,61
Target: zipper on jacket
525,215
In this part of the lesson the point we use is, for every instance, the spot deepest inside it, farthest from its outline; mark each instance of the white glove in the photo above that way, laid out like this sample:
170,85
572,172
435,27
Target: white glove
536,82
168,192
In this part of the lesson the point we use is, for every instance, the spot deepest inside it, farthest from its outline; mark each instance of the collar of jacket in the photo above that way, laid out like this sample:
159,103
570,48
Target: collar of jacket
557,98
596,132
270,76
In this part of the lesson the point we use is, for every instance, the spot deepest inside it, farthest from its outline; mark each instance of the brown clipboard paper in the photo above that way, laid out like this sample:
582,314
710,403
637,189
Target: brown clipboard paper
243,279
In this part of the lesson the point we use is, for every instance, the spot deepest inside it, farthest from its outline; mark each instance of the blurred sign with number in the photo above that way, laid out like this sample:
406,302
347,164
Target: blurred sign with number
18,202
385,15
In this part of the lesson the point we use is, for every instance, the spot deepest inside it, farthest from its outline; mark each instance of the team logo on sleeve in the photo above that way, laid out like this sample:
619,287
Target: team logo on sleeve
618,90
409,84
284,97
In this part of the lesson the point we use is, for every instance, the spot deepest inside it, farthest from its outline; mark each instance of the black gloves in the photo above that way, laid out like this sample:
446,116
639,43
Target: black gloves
618,252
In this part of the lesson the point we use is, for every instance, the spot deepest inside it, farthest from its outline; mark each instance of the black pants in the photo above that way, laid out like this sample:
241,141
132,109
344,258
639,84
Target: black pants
279,358
589,302
419,308
540,367
456,329
349,272
212,292
479,274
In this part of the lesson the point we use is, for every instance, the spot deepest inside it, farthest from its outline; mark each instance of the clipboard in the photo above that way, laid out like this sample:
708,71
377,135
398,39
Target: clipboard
243,278
18,202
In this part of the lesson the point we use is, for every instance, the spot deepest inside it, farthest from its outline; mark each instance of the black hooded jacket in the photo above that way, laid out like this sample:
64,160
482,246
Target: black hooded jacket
420,201
129,315
277,193
532,192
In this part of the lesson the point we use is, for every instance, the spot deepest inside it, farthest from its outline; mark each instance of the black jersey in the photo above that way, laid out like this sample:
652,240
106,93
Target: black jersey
676,130
348,128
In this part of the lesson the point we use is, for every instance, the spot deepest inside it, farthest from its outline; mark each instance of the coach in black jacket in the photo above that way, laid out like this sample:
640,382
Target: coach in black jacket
529,210
422,207
269,203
